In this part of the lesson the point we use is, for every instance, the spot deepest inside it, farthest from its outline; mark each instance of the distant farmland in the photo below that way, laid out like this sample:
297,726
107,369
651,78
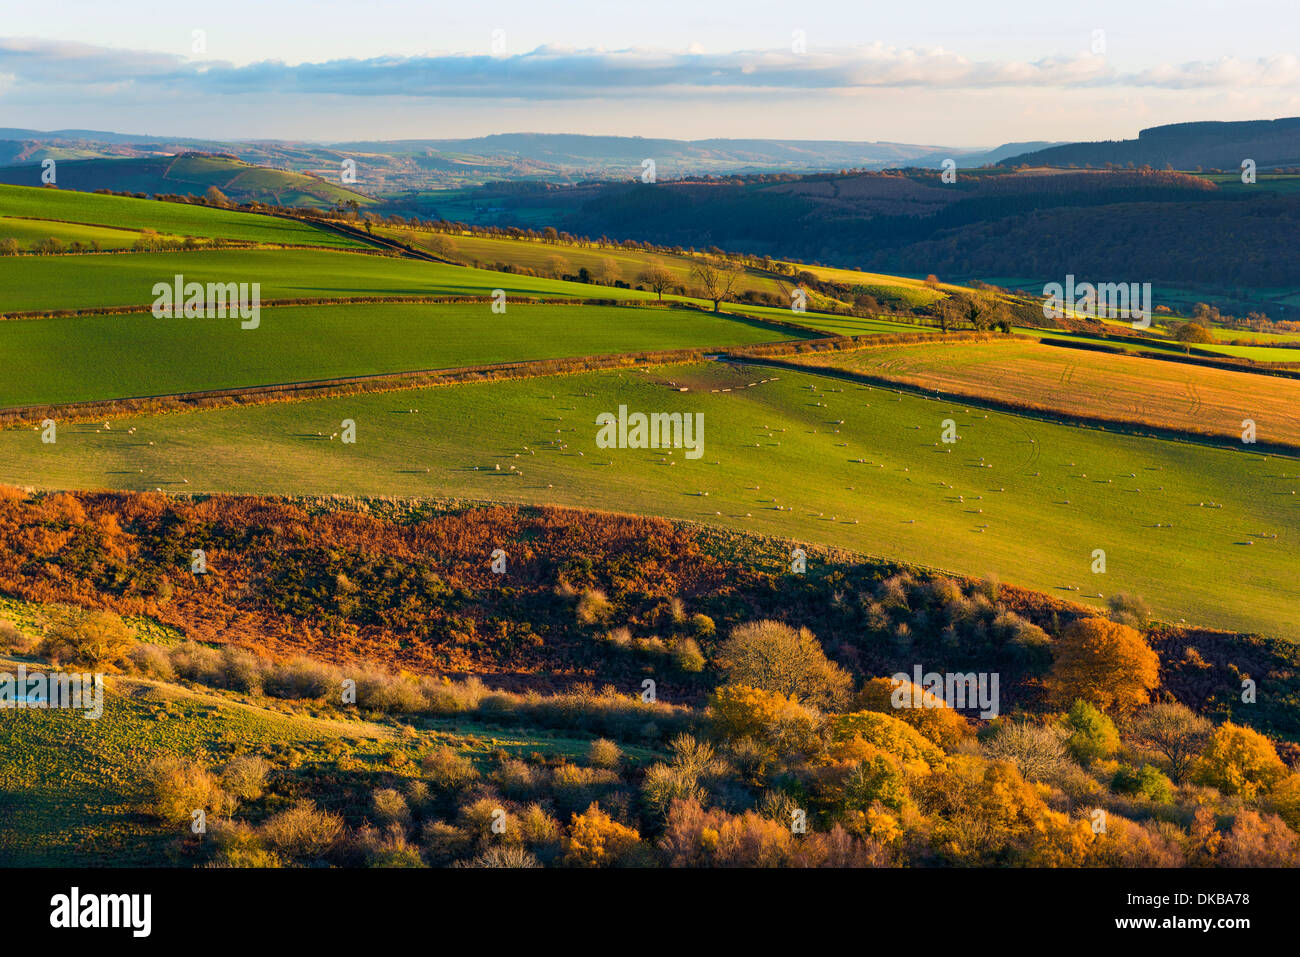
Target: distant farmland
180,219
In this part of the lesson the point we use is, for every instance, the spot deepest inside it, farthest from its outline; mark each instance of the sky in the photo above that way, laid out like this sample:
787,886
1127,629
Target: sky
934,72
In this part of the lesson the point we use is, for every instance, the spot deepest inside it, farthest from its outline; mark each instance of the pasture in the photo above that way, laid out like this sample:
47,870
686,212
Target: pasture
133,354
79,282
1202,533
29,232
179,219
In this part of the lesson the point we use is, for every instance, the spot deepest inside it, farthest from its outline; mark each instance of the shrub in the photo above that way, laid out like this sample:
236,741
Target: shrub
303,831
195,662
304,678
1145,781
151,661
1128,609
1092,734
594,607
175,788
505,855
245,776
390,807
597,840
15,641
688,656
703,626
604,753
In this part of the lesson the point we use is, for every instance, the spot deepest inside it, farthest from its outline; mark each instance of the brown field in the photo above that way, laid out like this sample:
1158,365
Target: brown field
1102,387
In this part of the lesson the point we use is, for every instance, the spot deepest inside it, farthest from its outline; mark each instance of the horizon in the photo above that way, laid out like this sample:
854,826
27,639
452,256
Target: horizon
824,72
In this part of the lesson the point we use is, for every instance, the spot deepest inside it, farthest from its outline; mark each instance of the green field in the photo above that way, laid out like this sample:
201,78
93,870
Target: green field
73,282
30,231
1134,344
134,354
170,218
1053,495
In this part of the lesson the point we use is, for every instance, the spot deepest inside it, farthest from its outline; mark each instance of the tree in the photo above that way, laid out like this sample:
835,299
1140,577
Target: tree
926,712
774,657
1092,734
657,279
558,266
1190,332
9,246
215,197
1106,663
1175,731
1239,760
86,637
441,246
718,278
607,272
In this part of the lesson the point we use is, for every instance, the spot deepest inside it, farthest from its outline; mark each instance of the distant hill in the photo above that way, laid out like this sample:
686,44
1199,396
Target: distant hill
189,174
394,165
1270,143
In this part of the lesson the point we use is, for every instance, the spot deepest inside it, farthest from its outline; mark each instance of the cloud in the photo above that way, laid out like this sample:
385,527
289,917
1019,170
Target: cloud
551,72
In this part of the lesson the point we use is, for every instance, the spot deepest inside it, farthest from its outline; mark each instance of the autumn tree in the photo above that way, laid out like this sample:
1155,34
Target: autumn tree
718,277
923,710
86,637
775,657
1239,760
1106,663
1174,731
657,279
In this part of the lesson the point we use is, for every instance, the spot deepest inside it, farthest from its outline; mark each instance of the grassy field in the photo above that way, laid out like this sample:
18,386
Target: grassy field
489,250
776,461
71,282
170,218
30,231
1168,395
134,354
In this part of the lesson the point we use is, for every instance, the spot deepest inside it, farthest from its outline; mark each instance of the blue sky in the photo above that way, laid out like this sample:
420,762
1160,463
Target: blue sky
960,74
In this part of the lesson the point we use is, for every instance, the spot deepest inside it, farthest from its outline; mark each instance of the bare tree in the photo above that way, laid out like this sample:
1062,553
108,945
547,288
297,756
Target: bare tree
657,279
718,278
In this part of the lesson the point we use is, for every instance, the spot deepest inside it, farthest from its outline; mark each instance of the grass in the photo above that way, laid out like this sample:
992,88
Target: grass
30,231
537,255
133,354
172,218
1167,395
77,282
1054,494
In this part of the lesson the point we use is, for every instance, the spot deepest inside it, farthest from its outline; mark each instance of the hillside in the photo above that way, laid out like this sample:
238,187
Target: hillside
1205,145
190,174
